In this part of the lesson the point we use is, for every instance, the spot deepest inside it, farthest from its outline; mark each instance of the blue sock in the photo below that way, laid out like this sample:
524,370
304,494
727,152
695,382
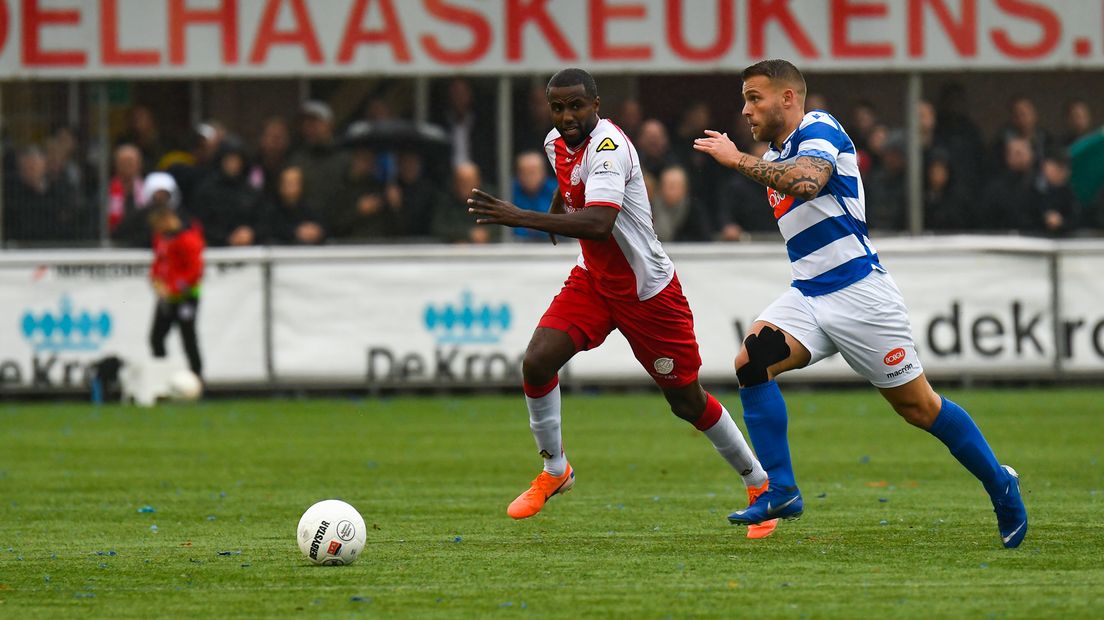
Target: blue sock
954,427
765,416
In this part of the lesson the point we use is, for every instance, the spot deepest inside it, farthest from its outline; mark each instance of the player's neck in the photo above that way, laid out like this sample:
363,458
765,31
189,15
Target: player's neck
787,131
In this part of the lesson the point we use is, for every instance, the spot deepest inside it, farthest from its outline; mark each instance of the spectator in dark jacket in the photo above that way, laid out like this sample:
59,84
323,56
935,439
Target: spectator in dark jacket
885,186
273,149
451,221
947,203
36,210
1057,211
289,220
192,167
1023,123
960,135
471,126
225,203
141,131
411,199
323,163
358,210
1010,197
702,171
1079,121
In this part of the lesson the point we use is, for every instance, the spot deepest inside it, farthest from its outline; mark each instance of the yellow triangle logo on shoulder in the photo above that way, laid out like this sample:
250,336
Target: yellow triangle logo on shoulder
606,145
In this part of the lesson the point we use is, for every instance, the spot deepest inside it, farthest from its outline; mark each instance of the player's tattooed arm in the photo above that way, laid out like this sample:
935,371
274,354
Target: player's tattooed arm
803,177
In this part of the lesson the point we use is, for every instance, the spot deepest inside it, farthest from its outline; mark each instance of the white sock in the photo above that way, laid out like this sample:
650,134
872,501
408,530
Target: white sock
730,442
544,421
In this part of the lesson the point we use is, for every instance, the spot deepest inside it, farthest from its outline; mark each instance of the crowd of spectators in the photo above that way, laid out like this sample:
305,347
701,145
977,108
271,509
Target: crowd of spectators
300,183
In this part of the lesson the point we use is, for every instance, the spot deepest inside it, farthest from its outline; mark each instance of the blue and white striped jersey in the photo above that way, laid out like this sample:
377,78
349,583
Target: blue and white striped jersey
827,236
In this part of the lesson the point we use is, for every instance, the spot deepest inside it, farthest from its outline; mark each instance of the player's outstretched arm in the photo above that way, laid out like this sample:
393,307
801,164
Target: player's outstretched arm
803,177
594,223
557,206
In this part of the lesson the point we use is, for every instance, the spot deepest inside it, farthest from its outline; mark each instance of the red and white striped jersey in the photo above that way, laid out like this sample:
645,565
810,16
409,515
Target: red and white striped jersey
605,171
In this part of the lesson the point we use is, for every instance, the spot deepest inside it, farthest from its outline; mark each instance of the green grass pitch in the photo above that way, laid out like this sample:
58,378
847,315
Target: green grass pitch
893,526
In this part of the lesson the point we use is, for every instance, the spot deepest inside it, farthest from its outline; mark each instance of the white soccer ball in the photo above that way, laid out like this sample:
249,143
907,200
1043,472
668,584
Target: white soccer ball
331,533
184,385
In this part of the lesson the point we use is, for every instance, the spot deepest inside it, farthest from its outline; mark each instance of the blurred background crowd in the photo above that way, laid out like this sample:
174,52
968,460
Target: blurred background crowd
368,174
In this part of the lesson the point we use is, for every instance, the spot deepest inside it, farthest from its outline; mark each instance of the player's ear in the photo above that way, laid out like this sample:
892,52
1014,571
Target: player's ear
789,97
597,103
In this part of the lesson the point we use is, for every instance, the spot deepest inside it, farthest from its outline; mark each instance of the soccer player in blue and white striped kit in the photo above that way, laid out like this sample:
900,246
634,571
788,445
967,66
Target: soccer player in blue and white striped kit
841,298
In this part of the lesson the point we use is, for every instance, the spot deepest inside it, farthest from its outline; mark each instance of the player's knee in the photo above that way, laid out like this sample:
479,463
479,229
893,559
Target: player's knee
684,412
761,351
740,361
917,412
687,404
536,367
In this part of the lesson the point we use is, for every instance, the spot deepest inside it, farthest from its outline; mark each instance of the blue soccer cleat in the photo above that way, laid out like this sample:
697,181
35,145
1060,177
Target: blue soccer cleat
1011,514
776,503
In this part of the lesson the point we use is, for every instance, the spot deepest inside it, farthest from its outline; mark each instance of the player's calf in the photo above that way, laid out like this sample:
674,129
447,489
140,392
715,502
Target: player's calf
915,401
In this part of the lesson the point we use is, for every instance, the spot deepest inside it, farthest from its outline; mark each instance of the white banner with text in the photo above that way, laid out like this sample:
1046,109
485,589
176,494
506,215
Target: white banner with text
97,39
59,315
455,321
437,316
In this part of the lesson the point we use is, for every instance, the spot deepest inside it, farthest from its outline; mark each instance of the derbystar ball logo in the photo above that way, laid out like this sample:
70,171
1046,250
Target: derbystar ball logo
467,322
67,329
318,536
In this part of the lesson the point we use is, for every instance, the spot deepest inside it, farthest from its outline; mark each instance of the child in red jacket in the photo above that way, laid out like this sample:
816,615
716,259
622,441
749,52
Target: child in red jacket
176,274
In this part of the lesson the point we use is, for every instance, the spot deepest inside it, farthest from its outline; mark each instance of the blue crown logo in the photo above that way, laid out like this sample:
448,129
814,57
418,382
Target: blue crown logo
467,323
66,330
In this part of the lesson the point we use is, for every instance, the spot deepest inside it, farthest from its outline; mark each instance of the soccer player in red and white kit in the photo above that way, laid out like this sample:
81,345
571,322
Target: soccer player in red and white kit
624,280
176,275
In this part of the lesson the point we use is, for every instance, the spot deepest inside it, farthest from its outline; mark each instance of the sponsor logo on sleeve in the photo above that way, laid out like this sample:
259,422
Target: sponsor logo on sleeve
606,145
607,168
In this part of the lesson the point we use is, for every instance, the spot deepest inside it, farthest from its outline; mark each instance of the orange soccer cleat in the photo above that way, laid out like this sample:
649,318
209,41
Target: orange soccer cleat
766,528
543,487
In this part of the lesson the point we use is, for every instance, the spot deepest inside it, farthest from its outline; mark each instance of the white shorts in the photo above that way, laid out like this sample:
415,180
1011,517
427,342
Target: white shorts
867,323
